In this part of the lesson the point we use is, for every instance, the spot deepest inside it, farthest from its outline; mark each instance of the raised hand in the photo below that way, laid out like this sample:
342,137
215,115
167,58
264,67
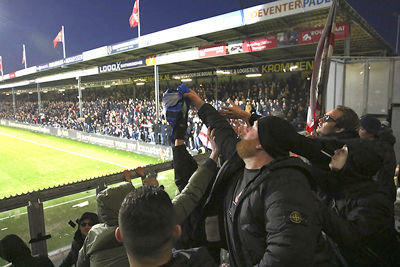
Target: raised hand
234,112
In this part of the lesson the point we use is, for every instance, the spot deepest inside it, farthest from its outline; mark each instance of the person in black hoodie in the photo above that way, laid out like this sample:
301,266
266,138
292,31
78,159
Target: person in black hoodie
85,222
13,249
359,216
372,130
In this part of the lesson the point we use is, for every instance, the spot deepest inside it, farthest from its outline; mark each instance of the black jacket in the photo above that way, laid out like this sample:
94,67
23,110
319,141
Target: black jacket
76,245
274,222
385,175
360,220
195,257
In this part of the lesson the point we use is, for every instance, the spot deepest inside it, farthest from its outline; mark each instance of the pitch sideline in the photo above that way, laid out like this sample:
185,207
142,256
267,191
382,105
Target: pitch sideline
66,151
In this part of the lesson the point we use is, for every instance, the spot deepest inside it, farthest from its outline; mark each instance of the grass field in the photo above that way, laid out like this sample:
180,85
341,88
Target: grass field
31,161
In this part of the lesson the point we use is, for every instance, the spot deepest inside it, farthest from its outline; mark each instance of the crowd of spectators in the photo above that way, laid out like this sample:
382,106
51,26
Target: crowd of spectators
123,112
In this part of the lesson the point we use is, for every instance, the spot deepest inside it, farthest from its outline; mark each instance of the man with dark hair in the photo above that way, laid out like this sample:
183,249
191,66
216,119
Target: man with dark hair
261,199
369,127
148,227
341,122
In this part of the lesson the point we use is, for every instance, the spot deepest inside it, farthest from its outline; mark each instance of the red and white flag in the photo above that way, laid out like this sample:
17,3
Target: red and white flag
134,19
203,136
23,55
320,72
59,38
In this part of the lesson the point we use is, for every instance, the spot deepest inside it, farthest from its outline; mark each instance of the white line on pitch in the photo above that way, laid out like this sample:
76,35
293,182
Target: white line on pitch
63,150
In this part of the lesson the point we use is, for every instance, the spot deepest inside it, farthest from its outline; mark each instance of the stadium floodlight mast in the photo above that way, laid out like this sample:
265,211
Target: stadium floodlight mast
398,29
79,96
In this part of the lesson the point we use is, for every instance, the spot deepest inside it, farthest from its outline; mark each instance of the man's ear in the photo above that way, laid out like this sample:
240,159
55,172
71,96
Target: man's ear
177,232
259,147
118,235
339,130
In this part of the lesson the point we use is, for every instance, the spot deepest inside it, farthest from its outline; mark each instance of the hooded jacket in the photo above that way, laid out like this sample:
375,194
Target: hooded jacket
78,240
274,221
102,249
14,250
359,218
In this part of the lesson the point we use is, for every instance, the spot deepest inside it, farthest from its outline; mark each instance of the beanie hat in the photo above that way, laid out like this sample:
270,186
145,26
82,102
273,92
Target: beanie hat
276,136
370,124
364,157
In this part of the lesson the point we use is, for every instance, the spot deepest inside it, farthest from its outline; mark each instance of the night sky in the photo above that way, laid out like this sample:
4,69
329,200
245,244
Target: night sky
93,23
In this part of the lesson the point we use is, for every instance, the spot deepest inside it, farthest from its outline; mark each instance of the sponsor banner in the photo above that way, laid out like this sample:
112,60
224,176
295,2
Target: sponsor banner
241,70
74,59
282,8
234,47
95,53
161,77
179,56
313,35
196,28
108,141
59,63
124,65
123,46
288,38
235,71
151,61
212,50
42,67
26,71
304,65
260,43
56,64
196,74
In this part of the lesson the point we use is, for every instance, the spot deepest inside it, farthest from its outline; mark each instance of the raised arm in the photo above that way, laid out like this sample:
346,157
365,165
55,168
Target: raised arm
225,136
188,199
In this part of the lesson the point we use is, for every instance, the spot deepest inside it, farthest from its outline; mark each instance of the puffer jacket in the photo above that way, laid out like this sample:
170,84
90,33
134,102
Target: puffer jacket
359,218
274,222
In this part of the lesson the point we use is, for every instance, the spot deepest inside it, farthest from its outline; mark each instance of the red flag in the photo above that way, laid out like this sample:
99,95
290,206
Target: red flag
59,38
134,18
320,72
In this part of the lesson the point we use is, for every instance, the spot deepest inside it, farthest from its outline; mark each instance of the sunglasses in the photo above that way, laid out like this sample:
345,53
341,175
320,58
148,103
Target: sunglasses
84,224
328,118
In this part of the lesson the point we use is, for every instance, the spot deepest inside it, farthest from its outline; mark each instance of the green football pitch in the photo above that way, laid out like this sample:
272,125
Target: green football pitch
31,161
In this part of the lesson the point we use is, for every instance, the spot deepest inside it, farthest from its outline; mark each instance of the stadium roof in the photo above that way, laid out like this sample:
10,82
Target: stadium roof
254,22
